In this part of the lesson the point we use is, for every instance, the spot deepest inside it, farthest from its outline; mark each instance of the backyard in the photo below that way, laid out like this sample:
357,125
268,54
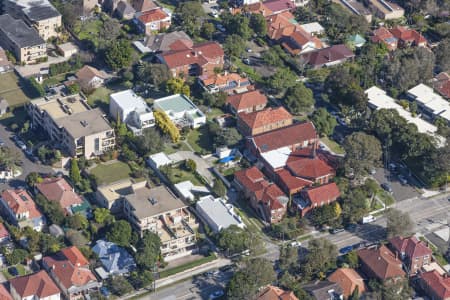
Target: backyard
100,98
10,89
177,174
335,147
200,140
110,172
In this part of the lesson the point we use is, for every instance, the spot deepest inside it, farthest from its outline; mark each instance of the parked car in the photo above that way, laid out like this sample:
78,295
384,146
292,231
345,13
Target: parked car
341,121
402,179
386,186
351,227
373,171
346,250
249,50
368,219
336,230
220,28
216,294
295,244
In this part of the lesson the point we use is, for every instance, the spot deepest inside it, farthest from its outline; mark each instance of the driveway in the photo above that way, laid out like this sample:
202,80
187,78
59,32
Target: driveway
203,166
400,191
29,70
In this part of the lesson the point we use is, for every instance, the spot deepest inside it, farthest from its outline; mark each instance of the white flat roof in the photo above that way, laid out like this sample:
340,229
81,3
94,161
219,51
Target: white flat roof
277,158
160,159
312,27
428,98
184,188
219,212
129,100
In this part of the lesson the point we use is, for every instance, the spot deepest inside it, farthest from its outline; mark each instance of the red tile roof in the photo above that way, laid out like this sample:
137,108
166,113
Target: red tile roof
153,15
408,35
277,6
3,233
247,100
265,117
327,55
291,182
21,202
281,25
437,283
38,284
4,293
59,190
285,137
87,73
382,262
275,293
251,178
271,194
200,54
381,34
74,255
411,246
348,279
442,84
323,193
258,8
310,168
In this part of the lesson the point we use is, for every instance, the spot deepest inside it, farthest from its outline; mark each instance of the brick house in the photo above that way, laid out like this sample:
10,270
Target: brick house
247,102
348,279
36,286
275,293
408,37
435,285
153,20
265,198
201,59
414,253
257,122
314,197
383,35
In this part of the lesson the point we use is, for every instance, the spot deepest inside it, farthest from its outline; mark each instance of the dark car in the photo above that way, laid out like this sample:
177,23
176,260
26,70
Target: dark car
13,271
346,250
226,268
386,187
351,227
336,230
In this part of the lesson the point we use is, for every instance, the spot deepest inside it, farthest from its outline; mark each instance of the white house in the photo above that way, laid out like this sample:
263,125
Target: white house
217,213
157,160
131,109
181,110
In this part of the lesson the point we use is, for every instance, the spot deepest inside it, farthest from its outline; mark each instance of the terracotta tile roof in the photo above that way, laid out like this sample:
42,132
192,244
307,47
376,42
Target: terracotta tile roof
277,6
291,182
222,79
271,194
38,284
442,84
382,262
21,202
4,293
251,178
285,137
153,15
328,55
59,190
323,193
381,34
281,25
411,246
275,293
408,35
437,283
348,279
309,167
3,232
74,255
265,117
86,73
200,54
247,100
258,8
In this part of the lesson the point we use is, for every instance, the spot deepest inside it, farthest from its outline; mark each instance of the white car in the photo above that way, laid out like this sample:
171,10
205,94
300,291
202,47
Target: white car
295,244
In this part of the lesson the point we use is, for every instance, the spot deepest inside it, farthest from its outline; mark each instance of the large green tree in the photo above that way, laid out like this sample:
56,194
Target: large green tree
120,233
398,223
149,142
323,121
148,250
320,259
363,152
299,99
190,16
236,240
118,54
442,54
234,45
283,79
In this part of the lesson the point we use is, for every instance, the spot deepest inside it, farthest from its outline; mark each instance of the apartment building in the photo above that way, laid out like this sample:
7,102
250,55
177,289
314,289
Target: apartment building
386,10
356,8
72,124
17,37
41,15
159,210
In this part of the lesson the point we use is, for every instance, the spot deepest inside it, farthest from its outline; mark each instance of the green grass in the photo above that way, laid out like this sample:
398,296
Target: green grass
88,30
335,147
100,98
55,79
246,69
200,140
177,175
189,265
385,197
215,112
20,269
172,148
108,173
10,89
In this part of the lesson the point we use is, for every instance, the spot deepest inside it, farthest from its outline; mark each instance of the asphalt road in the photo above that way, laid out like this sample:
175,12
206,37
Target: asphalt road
400,191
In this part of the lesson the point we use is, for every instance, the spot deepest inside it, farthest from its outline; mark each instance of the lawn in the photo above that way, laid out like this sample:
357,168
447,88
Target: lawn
189,265
385,197
246,69
88,30
111,172
177,175
214,112
200,140
100,98
10,89
20,269
335,147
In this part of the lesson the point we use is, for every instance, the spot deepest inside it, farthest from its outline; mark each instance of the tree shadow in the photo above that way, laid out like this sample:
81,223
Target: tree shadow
371,232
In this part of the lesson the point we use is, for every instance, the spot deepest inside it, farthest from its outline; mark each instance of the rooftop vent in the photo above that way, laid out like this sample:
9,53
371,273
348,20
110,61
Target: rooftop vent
84,123
152,200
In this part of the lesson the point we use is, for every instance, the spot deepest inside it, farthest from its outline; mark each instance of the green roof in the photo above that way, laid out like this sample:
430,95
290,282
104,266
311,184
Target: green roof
357,39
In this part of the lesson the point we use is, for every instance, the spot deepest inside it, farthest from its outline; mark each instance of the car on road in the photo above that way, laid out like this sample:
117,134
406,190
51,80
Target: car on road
368,219
19,142
295,244
216,294
387,187
402,179
220,28
346,250
373,171
336,230
249,50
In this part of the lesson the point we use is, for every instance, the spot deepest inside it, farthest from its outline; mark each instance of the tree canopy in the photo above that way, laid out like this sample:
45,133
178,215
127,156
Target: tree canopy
398,223
299,99
363,152
118,54
120,233
321,258
323,121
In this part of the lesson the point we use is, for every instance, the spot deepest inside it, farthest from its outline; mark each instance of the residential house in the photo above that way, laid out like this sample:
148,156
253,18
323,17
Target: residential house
217,213
128,108
70,271
165,42
431,104
153,20
279,6
408,37
200,59
181,110
386,10
414,253
383,35
435,285
324,290
4,234
275,293
4,293
89,78
356,41
247,102
5,64
21,210
300,42
266,198
36,286
24,42
157,160
257,7
281,26
356,8
57,189
41,15
230,83
441,84
110,195
265,120
143,5
349,280
72,124
157,209
115,260
327,57
313,28
67,49
381,264
314,197
125,10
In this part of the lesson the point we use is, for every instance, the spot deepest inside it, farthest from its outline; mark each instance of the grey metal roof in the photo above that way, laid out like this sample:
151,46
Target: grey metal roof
36,10
18,32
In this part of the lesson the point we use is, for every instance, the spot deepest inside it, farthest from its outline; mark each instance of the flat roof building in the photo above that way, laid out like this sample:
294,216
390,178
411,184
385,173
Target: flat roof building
356,8
181,110
387,10
217,213
432,104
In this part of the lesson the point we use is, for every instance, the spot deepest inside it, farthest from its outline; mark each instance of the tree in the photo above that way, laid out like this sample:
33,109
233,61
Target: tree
323,121
236,240
76,238
120,233
16,256
119,286
190,165
219,188
272,58
442,57
288,258
33,178
190,16
149,142
75,175
363,152
299,98
323,215
351,259
141,279
148,250
245,283
51,209
227,137
154,74
177,86
109,31
77,222
118,54
355,294
35,87
207,30
237,24
282,79
291,283
258,24
166,125
321,258
398,223
355,205
234,45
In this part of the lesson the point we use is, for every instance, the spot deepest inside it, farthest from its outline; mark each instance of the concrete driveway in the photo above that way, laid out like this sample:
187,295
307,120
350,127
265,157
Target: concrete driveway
203,165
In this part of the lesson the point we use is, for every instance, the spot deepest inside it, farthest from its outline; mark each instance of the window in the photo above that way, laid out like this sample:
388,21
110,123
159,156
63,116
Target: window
97,145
